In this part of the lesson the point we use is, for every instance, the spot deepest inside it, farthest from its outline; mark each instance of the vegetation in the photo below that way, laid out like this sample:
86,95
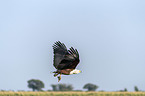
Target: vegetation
136,88
35,84
72,93
62,87
54,87
90,87
125,89
67,90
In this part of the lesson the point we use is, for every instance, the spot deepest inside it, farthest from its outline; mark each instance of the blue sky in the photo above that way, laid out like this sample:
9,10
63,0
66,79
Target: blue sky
109,35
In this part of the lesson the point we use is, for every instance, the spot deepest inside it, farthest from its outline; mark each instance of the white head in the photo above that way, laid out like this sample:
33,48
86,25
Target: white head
75,71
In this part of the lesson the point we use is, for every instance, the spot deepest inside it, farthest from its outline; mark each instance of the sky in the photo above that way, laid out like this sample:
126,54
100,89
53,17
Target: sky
109,35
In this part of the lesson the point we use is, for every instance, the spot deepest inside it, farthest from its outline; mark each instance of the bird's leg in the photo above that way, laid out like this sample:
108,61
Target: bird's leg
59,77
55,74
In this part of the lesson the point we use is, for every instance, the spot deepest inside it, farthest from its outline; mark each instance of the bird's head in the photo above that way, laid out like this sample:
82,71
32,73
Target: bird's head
75,71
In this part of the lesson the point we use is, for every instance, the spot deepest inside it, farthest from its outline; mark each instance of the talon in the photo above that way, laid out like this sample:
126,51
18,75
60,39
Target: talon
59,78
55,74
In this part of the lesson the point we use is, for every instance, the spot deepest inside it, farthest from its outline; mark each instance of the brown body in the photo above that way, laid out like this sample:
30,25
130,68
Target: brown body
65,71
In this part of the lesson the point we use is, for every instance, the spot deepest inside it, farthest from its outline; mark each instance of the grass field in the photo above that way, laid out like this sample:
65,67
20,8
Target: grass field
72,93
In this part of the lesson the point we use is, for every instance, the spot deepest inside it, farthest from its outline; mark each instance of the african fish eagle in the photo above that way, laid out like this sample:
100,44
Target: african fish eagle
65,61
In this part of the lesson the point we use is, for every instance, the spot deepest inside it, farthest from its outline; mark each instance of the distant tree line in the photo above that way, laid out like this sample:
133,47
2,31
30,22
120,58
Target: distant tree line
37,85
62,87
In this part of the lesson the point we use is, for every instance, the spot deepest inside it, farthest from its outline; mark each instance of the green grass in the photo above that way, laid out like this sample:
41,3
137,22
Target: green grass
72,93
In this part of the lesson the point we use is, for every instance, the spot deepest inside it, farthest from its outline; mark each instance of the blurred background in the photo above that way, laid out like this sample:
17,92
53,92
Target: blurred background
109,35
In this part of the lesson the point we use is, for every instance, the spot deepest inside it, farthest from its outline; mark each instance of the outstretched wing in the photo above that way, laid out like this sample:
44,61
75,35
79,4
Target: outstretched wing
59,50
73,53
63,58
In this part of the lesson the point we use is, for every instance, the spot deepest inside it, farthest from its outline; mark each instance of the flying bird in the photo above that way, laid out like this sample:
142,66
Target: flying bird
65,61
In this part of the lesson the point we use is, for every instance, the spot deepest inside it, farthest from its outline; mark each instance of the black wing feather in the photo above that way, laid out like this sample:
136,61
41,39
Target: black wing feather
59,51
63,58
